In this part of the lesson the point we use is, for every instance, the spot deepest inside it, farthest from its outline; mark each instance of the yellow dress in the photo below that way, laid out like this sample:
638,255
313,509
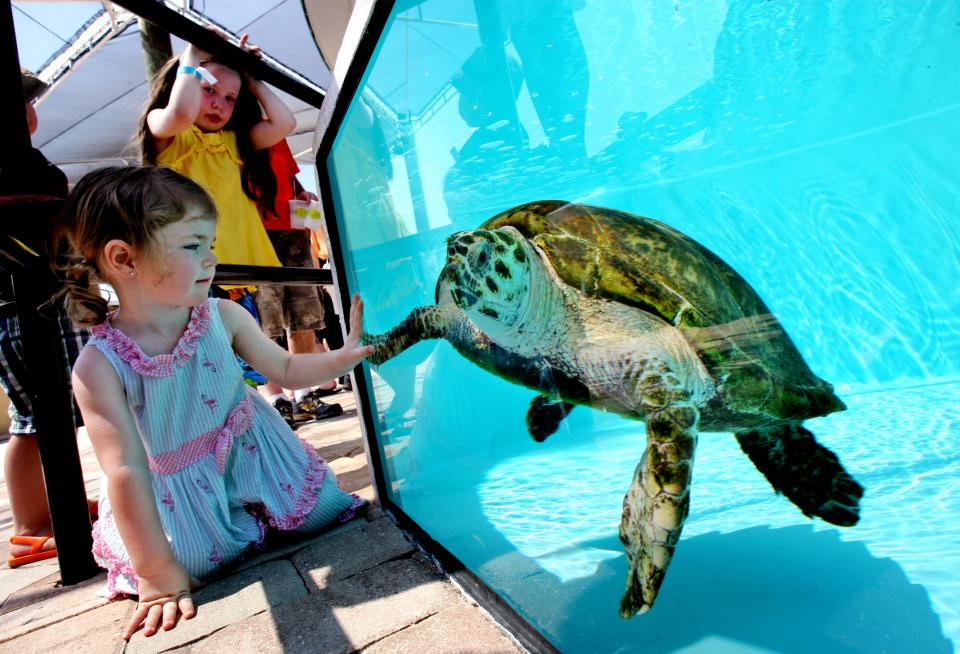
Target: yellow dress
212,160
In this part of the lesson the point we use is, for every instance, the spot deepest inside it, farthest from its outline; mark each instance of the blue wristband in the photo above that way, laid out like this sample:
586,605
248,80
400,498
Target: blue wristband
199,72
189,70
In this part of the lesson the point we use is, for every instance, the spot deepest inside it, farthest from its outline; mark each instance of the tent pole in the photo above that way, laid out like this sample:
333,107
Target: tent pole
156,46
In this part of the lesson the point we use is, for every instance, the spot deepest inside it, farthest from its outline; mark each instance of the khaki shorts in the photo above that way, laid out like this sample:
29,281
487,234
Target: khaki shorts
290,308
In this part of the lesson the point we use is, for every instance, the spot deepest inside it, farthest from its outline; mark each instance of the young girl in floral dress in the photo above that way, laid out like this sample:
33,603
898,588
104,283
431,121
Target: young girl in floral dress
197,465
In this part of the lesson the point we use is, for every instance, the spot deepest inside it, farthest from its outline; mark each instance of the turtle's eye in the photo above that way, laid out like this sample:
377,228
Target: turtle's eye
482,259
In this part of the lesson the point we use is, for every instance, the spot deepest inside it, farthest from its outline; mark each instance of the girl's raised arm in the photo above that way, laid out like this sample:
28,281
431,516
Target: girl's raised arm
181,111
293,370
163,583
278,121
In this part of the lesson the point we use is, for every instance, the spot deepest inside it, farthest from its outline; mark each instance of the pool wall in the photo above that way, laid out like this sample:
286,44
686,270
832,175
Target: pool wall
813,148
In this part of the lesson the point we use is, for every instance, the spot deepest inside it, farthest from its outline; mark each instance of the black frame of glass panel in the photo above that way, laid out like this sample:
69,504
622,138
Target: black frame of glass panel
523,631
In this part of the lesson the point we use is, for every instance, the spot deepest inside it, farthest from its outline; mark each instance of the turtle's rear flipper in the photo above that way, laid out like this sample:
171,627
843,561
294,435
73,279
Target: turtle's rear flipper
810,475
656,504
545,415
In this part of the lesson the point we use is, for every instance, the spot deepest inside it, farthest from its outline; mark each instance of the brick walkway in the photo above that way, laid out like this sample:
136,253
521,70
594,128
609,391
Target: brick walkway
360,587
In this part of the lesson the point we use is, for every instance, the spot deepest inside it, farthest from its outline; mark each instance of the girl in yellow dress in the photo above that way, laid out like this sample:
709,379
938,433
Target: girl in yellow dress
211,124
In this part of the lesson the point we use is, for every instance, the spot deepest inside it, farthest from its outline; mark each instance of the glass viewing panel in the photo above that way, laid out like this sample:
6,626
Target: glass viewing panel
813,148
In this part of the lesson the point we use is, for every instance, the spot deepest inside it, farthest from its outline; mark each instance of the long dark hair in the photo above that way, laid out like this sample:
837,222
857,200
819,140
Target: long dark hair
256,176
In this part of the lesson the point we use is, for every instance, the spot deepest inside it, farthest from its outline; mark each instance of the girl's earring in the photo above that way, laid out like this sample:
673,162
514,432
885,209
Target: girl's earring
132,273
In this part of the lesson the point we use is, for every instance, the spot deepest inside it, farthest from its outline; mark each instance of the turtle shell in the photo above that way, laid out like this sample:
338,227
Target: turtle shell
644,263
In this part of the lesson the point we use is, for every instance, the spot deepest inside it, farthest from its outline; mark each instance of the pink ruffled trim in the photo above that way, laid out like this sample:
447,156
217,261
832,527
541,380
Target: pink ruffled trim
117,565
312,482
161,365
351,512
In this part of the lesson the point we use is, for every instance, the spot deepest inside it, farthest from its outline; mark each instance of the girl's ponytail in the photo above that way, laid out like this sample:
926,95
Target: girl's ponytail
82,299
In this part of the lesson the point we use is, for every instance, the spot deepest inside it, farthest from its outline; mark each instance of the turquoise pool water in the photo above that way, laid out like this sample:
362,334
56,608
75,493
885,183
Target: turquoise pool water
811,146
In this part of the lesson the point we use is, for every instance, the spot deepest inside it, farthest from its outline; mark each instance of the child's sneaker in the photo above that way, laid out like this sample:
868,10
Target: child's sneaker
286,410
317,409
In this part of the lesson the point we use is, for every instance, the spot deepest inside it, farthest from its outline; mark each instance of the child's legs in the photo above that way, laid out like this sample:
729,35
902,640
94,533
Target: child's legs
300,307
293,310
28,494
269,299
22,469
21,462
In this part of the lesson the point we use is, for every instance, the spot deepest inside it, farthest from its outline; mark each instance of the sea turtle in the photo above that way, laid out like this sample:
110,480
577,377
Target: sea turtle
597,307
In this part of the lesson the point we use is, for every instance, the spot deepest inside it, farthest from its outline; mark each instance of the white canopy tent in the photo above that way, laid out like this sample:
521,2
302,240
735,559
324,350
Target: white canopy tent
90,113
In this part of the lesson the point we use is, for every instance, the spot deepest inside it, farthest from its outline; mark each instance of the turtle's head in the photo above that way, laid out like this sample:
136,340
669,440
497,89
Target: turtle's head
488,275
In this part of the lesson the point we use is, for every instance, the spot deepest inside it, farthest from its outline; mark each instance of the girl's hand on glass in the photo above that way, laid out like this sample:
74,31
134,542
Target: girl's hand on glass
351,345
163,598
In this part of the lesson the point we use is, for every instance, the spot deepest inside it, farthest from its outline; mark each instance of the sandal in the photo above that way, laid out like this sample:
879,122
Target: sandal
37,553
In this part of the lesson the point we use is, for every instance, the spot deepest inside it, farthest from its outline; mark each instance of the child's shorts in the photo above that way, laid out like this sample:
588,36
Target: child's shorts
13,372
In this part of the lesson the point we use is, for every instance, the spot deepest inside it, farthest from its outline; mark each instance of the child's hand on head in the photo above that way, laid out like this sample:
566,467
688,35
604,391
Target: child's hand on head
249,47
243,44
351,346
164,596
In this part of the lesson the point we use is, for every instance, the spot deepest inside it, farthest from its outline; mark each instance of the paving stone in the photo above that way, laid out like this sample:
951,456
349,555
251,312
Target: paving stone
92,632
336,447
346,464
356,547
45,602
387,598
292,543
459,629
227,601
353,613
14,579
352,473
258,633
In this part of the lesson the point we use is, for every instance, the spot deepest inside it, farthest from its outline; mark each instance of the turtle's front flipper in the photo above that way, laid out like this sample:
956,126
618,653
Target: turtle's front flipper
810,475
423,323
656,505
545,415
